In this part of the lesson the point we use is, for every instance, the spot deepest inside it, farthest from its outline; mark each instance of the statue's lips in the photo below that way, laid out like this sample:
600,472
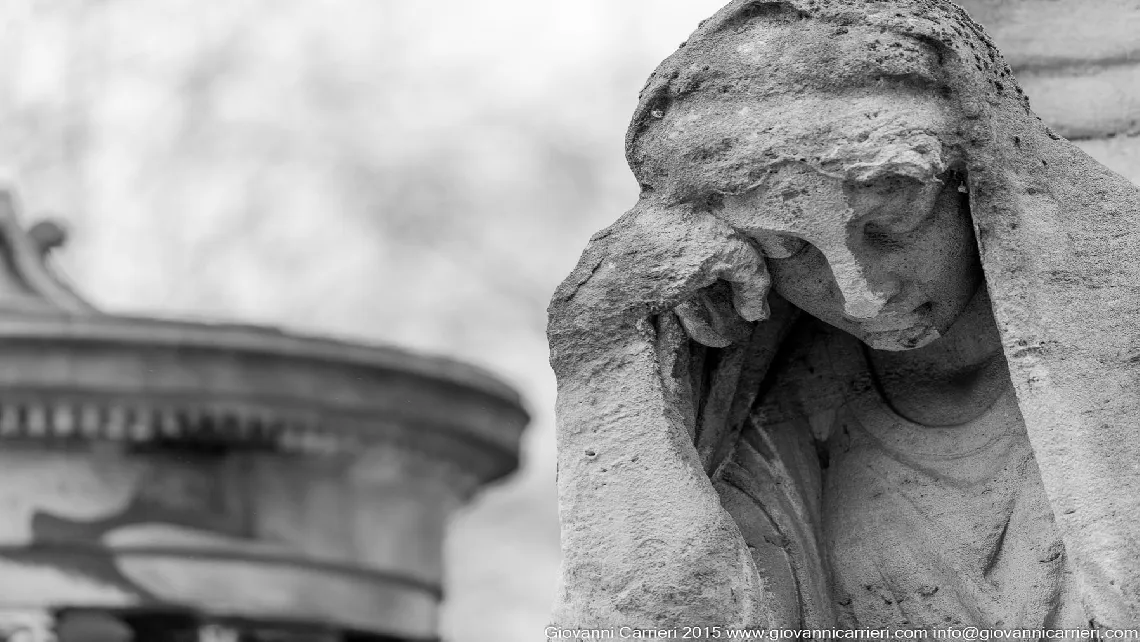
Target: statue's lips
894,322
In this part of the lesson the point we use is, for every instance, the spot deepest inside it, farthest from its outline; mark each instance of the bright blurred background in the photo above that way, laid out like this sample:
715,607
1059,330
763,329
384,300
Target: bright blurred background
413,173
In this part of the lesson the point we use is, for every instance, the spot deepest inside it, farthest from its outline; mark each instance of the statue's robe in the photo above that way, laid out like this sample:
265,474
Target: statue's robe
868,520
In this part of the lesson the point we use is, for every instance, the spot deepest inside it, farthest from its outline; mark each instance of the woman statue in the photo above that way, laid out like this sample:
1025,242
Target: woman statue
864,354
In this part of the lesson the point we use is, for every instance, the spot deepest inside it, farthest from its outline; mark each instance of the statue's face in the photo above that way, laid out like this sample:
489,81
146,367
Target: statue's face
875,238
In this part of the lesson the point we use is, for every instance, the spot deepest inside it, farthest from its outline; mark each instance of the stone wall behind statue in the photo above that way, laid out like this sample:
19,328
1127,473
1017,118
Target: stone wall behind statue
1079,63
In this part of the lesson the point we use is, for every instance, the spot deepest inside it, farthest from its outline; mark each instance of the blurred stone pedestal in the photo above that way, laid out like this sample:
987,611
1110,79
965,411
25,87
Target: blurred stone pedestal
223,482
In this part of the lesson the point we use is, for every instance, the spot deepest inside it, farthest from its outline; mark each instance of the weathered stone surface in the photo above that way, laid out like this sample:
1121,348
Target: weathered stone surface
723,462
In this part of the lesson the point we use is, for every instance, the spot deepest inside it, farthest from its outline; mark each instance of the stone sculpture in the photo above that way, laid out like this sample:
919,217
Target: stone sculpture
864,354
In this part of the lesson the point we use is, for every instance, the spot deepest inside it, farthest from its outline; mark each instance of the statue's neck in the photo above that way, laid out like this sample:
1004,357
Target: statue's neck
952,380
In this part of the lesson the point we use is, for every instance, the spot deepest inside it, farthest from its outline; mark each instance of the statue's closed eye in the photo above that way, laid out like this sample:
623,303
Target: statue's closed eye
779,246
888,185
893,225
881,237
894,207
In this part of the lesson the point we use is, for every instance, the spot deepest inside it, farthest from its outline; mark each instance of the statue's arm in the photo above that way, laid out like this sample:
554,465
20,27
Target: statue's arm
645,540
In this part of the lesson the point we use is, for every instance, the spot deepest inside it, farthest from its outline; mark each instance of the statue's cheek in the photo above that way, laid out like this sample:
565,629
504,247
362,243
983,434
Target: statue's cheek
942,263
807,282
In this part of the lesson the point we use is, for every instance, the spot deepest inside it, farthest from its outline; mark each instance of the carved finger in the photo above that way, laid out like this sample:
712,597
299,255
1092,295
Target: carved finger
697,322
719,300
750,283
711,319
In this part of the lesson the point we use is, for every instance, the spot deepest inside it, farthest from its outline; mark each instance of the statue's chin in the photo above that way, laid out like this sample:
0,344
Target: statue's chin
898,340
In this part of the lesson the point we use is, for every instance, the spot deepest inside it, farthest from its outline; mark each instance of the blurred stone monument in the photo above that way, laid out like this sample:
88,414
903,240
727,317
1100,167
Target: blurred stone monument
181,481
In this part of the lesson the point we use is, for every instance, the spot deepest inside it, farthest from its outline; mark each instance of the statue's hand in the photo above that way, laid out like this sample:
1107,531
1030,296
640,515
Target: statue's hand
657,258
646,540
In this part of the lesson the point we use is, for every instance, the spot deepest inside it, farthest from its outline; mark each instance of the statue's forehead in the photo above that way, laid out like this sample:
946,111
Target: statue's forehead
823,116
854,136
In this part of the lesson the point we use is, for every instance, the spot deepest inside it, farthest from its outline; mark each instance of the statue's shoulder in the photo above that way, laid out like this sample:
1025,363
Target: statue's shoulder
814,374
